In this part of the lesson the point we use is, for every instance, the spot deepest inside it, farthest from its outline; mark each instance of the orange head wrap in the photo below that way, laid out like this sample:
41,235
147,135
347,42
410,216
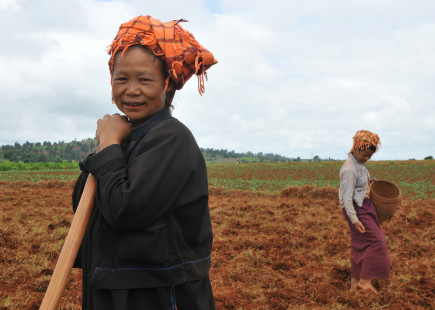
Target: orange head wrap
364,139
177,47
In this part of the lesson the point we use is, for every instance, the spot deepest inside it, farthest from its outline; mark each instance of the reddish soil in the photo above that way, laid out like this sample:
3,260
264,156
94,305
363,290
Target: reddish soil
286,251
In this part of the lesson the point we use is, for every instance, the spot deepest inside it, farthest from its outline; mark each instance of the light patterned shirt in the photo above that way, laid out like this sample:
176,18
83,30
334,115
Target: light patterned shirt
354,180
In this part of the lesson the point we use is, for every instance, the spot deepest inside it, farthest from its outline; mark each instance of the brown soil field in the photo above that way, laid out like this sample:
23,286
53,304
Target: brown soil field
271,251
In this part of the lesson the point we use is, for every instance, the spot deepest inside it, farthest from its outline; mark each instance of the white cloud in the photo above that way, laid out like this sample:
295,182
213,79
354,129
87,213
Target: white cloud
294,78
9,5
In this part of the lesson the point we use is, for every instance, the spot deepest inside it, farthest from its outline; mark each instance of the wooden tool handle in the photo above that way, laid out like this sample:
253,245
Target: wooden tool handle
70,248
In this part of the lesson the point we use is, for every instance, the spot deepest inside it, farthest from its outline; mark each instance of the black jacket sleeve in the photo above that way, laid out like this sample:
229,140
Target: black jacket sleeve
135,193
76,195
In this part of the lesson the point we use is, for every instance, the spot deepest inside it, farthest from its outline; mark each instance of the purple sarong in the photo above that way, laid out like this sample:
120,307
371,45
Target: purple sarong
369,257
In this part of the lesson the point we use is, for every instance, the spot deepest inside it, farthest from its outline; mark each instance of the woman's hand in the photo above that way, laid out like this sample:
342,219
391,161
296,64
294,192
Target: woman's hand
360,227
112,129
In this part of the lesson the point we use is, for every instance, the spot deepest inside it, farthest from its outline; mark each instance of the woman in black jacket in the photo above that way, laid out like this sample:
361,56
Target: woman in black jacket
149,238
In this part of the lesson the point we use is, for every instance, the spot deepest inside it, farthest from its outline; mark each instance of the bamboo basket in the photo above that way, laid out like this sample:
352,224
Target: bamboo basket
385,196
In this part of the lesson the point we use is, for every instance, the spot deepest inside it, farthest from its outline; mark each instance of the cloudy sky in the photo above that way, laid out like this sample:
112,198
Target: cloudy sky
296,78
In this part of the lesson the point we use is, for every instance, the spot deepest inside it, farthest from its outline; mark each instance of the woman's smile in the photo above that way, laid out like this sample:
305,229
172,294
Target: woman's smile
133,104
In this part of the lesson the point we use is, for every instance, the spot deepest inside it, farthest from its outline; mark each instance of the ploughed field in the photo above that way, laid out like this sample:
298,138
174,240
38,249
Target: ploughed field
280,241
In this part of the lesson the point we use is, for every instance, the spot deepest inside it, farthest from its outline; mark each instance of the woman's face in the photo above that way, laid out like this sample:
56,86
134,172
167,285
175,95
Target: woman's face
363,156
138,85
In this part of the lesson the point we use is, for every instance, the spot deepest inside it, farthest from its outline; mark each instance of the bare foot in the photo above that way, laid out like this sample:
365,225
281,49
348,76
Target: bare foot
354,284
367,286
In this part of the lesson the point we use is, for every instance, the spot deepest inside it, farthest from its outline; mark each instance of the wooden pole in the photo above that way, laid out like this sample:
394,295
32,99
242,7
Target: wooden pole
70,248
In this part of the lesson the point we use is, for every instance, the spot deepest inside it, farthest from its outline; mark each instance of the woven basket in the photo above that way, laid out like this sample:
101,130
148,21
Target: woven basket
385,196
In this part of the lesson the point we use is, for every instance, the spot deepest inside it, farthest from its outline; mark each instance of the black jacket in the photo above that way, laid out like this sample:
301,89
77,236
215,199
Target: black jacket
150,226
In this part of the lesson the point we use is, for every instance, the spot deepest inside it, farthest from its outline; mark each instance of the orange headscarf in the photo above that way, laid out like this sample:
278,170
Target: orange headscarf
363,139
177,47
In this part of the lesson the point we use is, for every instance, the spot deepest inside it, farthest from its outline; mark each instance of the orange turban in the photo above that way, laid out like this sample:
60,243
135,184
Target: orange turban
364,139
177,47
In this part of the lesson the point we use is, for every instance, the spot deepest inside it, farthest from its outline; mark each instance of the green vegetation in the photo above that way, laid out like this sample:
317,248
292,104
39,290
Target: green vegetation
77,150
48,152
20,166
415,178
39,175
224,156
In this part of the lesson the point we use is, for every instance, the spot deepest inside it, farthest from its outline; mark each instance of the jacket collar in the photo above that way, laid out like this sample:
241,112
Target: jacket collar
147,126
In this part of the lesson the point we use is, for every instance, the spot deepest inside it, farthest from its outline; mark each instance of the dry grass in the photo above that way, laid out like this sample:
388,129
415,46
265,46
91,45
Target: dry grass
271,251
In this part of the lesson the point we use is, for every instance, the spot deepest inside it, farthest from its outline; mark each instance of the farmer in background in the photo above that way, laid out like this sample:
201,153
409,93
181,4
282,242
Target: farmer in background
369,256
149,238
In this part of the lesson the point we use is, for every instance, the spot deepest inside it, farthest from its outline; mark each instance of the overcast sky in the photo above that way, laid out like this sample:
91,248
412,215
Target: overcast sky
296,78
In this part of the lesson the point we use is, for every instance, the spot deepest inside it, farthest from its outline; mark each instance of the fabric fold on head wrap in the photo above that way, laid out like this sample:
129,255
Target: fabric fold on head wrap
364,139
177,47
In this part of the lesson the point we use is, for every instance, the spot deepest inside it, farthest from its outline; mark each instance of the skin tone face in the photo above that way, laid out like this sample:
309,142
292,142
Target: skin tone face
138,85
363,156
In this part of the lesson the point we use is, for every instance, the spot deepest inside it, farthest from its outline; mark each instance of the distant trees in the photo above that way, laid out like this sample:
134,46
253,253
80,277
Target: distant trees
428,157
58,152
211,154
316,158
47,152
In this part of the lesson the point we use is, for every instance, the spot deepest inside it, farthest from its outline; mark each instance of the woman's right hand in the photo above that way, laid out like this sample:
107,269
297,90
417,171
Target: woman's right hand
360,227
112,129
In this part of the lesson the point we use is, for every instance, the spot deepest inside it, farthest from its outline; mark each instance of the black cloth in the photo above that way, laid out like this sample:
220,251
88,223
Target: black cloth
150,226
193,295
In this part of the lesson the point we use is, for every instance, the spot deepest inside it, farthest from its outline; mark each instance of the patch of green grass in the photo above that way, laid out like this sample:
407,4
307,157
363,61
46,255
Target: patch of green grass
40,175
416,179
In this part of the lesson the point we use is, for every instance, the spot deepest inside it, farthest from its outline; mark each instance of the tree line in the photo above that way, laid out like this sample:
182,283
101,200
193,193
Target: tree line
48,152
75,151
219,155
